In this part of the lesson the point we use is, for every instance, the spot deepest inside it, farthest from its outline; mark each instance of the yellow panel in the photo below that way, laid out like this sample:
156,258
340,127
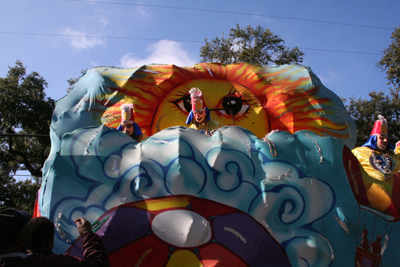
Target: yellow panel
184,258
160,204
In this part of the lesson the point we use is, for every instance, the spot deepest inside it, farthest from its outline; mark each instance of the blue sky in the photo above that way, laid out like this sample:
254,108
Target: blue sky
45,35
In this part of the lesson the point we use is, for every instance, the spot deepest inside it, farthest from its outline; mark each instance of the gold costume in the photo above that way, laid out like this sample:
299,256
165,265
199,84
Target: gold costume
378,170
208,128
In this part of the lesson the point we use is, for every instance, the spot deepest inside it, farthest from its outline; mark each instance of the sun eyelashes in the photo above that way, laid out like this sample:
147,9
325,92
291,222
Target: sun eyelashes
183,103
235,104
232,104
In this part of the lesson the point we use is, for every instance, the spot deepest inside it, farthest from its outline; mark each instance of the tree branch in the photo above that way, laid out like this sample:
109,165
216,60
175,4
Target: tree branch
28,166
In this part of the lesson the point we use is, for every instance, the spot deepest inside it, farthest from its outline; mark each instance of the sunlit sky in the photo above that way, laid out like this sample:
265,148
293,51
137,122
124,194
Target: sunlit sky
342,40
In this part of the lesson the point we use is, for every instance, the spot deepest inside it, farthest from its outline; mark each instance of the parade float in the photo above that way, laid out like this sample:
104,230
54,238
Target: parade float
277,185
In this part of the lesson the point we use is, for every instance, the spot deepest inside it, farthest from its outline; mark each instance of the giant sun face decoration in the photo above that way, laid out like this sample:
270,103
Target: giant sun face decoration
233,199
256,98
220,95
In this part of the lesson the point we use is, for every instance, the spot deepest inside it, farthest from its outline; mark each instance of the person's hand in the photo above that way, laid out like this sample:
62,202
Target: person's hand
83,226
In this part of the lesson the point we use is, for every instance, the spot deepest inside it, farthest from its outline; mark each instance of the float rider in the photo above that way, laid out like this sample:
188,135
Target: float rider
199,117
380,163
128,124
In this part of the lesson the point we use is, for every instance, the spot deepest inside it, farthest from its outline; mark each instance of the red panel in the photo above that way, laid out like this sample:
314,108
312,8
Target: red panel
36,212
208,208
215,255
355,177
396,192
148,251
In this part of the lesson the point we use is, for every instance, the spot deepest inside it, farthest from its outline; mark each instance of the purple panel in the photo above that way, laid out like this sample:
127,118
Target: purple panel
124,225
76,248
243,235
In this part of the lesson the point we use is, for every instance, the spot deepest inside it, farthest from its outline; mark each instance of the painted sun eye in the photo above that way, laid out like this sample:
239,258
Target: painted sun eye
234,106
183,103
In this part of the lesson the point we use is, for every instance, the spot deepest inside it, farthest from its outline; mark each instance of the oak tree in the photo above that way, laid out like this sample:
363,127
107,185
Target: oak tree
25,116
252,45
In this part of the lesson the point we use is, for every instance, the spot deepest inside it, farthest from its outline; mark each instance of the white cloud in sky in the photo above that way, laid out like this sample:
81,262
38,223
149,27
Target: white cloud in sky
329,77
142,14
94,64
104,22
162,52
80,41
265,20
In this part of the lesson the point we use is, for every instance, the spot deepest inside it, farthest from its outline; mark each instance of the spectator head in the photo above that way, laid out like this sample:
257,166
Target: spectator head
15,235
42,230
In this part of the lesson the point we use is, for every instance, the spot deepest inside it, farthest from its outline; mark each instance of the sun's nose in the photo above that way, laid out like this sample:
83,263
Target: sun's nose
182,228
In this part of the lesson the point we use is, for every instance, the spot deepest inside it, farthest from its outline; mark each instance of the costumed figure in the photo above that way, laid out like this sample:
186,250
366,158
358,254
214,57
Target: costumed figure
128,124
199,117
380,164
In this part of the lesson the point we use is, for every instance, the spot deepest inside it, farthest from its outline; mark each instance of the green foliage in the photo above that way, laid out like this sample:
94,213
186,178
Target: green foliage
252,45
24,109
365,113
390,61
20,195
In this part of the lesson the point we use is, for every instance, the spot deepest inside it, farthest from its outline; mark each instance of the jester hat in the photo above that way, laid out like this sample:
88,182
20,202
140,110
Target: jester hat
127,112
198,104
127,115
380,128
